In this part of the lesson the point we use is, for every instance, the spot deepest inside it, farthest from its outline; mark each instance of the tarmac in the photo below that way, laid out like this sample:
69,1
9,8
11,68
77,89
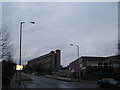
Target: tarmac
25,80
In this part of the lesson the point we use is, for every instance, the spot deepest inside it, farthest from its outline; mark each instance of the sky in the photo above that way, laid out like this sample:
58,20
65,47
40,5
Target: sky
91,25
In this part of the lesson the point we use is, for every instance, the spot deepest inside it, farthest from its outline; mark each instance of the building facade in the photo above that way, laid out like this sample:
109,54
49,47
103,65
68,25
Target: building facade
45,63
76,69
95,62
87,64
115,61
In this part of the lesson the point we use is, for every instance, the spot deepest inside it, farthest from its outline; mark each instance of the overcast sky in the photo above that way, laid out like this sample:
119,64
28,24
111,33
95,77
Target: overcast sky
93,26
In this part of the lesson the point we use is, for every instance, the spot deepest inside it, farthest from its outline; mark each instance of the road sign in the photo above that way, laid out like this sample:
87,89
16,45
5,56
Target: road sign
19,67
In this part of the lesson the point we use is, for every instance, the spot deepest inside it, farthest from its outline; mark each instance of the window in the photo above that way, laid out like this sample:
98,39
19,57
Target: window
105,63
110,63
94,66
100,63
100,66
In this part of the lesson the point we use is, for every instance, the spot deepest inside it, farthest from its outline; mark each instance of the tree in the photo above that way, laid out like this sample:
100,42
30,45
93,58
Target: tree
6,55
6,47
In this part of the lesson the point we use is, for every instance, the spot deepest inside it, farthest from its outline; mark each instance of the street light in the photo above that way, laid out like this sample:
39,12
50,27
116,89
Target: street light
77,48
21,23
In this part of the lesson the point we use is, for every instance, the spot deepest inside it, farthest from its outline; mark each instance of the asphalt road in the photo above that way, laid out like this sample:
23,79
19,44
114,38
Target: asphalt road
43,82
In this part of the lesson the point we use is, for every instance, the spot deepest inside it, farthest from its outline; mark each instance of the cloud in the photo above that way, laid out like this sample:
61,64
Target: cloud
93,26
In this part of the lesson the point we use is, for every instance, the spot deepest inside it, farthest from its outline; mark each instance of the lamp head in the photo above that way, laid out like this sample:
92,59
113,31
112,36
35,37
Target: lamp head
32,22
71,44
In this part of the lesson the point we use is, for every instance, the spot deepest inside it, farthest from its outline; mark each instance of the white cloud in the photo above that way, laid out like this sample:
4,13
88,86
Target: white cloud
91,25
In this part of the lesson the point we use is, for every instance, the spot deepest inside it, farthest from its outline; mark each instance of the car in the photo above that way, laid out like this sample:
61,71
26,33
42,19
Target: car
109,82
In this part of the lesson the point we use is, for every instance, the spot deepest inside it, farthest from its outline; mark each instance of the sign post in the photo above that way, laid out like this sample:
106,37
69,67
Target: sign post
19,68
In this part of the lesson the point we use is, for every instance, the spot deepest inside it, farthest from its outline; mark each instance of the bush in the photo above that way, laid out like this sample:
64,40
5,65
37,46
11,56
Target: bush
7,73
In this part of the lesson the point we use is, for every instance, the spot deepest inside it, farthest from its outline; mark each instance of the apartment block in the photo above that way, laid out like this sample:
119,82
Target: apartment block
45,63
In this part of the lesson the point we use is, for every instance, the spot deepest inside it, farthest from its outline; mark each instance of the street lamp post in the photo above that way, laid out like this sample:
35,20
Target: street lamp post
77,74
20,41
21,24
77,48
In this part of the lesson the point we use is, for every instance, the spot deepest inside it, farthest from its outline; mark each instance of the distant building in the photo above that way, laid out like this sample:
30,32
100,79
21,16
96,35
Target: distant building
95,62
76,69
87,64
62,72
45,63
115,61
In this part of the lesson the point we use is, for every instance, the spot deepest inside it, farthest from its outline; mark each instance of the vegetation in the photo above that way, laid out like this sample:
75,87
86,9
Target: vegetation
6,55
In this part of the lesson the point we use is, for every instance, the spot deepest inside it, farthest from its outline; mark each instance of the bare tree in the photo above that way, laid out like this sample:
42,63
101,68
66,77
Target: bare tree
6,47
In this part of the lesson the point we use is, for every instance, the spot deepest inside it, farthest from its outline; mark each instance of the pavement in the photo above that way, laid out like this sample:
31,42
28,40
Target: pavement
15,81
68,79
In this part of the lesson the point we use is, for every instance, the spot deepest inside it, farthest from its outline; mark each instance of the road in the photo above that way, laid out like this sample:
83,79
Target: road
43,82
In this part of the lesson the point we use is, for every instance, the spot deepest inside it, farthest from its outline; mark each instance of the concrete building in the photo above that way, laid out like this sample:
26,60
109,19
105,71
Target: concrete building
76,69
88,64
95,62
115,61
45,63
